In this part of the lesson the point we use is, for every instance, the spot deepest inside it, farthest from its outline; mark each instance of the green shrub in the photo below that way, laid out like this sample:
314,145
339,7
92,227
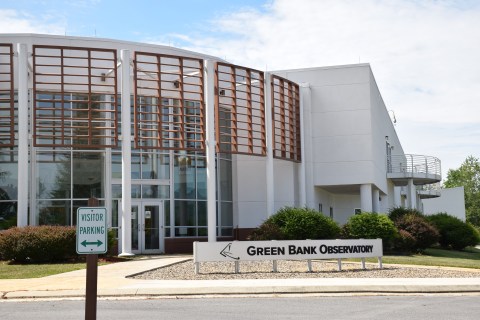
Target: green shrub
404,242
396,213
454,232
370,225
38,244
304,223
422,231
267,231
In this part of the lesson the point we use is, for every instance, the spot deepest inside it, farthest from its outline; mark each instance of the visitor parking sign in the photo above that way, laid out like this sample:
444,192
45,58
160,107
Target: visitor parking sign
91,230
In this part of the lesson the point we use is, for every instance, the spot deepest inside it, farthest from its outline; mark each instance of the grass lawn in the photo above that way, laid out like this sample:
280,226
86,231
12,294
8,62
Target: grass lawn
26,271
469,258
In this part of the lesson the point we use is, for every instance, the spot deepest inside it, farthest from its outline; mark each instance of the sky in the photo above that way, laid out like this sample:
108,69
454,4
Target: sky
425,54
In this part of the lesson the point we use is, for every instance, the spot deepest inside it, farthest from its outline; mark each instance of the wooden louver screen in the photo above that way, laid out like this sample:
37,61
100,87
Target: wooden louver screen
75,97
286,119
7,134
169,105
240,110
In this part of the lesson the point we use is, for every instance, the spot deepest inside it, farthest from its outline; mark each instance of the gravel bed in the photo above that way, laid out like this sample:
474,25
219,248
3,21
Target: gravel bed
295,269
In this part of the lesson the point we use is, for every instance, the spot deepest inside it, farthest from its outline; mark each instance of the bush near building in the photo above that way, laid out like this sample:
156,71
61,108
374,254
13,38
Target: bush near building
297,224
370,225
454,233
38,244
398,212
421,231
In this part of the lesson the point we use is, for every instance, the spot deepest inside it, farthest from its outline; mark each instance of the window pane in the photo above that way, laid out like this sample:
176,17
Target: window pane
136,191
116,166
225,180
155,166
227,214
53,175
153,191
88,175
201,165
185,213
54,213
135,165
8,176
8,214
184,177
202,213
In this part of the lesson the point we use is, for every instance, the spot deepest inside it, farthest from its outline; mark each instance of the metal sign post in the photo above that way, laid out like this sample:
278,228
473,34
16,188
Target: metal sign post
91,240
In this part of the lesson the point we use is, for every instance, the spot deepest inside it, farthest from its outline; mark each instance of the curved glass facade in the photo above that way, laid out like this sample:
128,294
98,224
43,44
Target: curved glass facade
75,142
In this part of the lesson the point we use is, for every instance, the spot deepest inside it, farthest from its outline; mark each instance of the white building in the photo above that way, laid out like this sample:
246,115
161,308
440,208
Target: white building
180,146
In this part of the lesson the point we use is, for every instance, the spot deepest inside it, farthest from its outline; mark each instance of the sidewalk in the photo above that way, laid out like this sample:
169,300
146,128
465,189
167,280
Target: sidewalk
112,282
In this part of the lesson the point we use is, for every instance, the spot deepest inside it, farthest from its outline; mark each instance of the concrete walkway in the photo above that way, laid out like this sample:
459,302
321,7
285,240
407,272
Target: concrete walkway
113,282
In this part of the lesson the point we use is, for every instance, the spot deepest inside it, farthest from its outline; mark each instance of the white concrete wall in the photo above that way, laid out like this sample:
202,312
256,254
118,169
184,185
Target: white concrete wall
345,135
285,182
451,201
251,194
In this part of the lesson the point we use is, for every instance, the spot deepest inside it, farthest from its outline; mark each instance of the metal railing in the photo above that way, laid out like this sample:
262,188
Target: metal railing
414,164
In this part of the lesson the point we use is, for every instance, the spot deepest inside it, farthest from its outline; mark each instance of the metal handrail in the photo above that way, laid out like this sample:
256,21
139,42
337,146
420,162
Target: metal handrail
414,164
430,187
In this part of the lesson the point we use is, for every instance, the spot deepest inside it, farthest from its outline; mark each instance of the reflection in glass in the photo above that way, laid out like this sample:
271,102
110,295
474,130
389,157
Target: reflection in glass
135,227
88,176
154,191
152,236
8,176
116,166
155,166
54,212
53,174
184,177
185,215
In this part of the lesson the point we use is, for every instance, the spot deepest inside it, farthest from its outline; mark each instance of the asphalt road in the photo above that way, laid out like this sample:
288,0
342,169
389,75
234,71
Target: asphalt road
265,308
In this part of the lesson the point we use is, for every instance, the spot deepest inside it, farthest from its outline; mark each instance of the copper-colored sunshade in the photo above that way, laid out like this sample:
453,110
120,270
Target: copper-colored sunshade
7,124
169,105
286,119
74,97
240,110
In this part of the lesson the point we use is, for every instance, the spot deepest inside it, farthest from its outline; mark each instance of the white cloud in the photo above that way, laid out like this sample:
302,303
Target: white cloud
424,55
12,21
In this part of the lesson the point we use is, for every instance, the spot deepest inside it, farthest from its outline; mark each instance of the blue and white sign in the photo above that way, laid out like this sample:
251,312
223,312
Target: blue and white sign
91,230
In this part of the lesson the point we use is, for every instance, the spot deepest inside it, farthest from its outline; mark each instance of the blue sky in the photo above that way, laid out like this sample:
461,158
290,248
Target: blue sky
424,53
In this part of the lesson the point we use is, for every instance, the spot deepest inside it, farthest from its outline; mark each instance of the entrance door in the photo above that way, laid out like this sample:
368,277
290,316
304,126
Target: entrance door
147,227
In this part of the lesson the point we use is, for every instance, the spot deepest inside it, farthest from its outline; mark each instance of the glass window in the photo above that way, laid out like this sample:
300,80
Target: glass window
116,191
184,177
136,191
54,212
88,175
8,176
227,214
225,180
155,166
185,213
201,165
116,166
154,191
202,213
135,166
8,213
53,175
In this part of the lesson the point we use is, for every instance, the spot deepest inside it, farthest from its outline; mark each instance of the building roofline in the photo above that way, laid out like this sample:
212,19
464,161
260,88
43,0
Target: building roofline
324,68
106,40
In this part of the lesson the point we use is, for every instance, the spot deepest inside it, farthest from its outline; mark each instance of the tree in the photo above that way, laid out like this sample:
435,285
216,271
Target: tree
468,176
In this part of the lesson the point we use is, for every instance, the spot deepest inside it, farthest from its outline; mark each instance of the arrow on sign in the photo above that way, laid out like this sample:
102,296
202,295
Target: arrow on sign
85,243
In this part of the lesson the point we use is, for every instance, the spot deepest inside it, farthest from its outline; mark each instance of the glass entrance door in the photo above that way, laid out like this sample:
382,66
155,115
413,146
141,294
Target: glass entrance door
147,227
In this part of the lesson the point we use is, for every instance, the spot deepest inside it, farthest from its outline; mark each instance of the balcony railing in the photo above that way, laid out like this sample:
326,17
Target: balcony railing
423,169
